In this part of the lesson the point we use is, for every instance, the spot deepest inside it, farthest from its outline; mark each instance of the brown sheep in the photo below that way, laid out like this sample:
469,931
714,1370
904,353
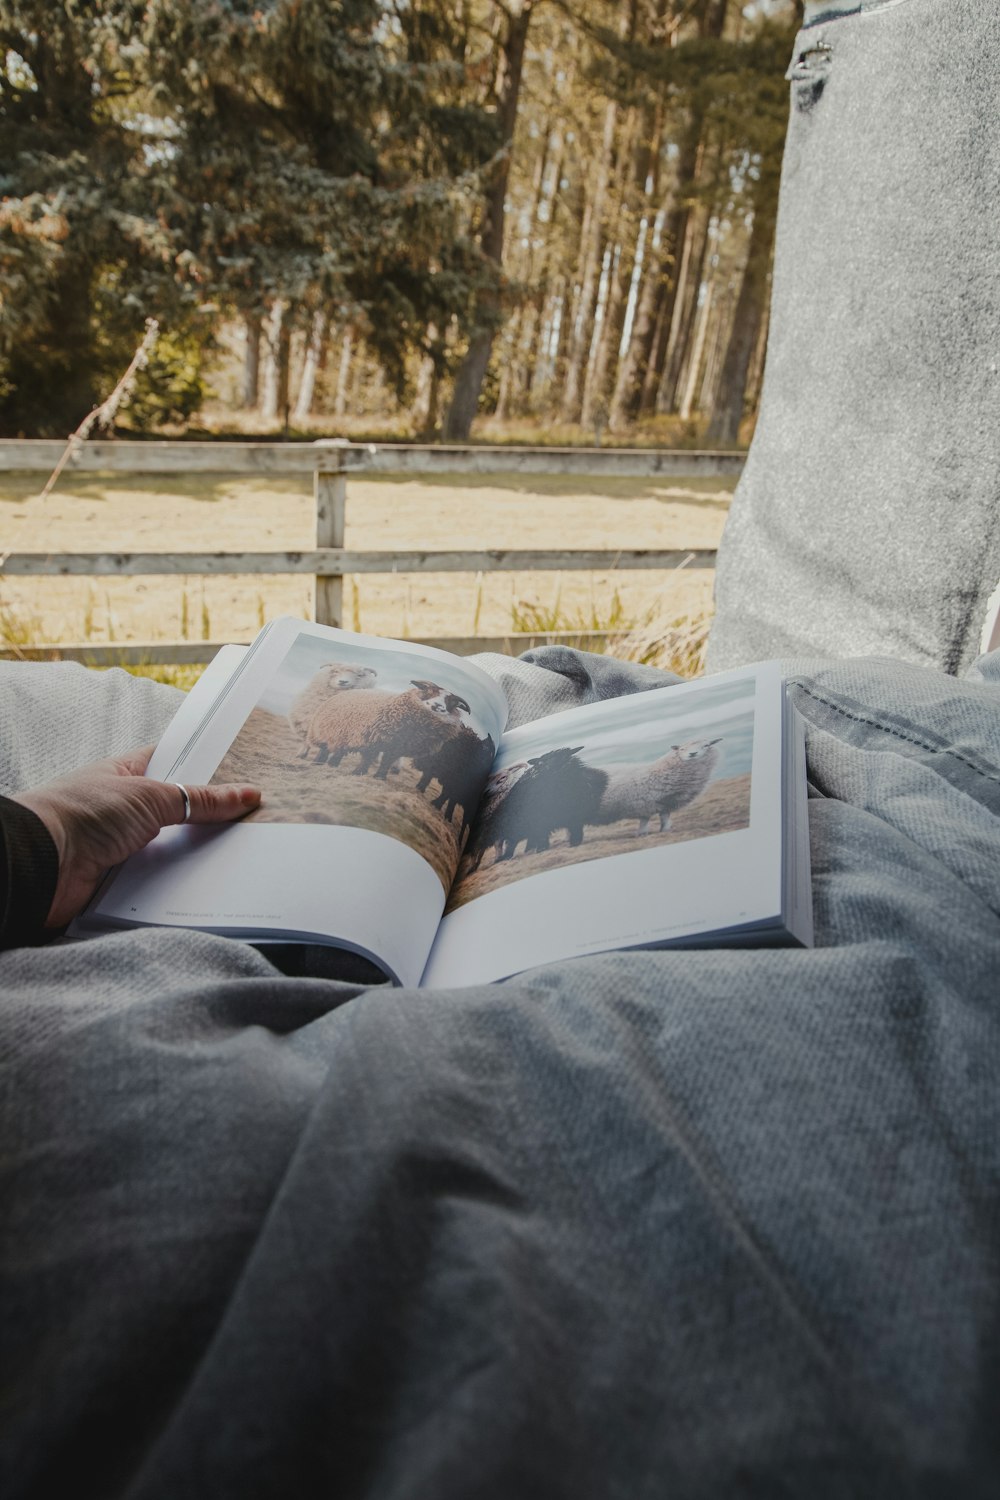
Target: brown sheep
382,726
333,677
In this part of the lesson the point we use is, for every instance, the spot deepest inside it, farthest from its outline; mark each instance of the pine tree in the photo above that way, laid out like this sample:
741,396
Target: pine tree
69,230
324,159
511,40
220,156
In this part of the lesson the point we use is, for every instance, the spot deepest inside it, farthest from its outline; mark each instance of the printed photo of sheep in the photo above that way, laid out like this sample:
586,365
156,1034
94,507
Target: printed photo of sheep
637,774
386,740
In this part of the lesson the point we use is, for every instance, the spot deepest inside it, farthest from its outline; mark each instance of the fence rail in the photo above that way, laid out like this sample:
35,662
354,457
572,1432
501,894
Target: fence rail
334,562
330,465
42,454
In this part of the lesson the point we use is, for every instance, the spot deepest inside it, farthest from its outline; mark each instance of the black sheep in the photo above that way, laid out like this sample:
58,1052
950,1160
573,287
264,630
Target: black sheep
407,736
556,791
461,766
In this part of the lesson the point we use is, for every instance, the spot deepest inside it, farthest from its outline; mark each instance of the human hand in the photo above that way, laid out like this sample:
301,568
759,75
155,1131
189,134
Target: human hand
101,814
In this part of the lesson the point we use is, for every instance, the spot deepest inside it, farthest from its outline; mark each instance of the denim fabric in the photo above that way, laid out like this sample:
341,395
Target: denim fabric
817,11
867,519
695,1224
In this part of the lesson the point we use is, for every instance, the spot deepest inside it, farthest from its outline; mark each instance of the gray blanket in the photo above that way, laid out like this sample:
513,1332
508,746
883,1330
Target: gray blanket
687,1224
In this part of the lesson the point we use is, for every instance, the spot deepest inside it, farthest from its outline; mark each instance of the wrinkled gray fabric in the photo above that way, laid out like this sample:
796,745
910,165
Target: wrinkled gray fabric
595,677
59,715
867,519
688,1224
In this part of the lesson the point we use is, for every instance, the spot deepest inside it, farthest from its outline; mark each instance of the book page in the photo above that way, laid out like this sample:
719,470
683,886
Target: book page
643,820
371,756
198,701
317,884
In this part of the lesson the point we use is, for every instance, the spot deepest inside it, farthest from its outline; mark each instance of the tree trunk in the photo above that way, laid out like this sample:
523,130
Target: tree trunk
593,234
661,333
632,373
468,385
628,381
659,325
720,338
251,362
310,367
713,18
595,396
694,364
536,361
343,373
471,372
271,339
617,276
725,424
284,360
755,375
685,308
509,374
669,275
630,288
426,405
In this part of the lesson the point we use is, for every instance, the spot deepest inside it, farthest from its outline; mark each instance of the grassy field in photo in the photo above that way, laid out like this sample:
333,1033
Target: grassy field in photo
266,753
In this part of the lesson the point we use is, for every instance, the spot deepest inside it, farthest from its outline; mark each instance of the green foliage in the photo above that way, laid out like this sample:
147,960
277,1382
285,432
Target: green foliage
323,154
172,387
220,158
186,160
69,168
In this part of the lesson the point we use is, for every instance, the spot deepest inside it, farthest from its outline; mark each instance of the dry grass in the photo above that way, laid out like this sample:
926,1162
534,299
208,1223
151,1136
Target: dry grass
654,616
676,645
18,632
723,807
266,754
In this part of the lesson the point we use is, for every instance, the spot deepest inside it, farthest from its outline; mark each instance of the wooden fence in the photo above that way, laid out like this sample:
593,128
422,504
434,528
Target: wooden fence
331,464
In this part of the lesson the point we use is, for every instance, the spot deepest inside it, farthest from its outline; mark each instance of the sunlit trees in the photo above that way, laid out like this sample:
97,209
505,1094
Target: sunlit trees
72,231
560,212
297,161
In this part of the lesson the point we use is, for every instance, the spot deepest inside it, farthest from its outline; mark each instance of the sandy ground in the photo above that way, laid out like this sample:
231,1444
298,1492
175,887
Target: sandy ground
202,513
723,807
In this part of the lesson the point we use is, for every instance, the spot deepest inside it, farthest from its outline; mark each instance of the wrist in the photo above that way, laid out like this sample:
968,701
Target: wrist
45,812
29,874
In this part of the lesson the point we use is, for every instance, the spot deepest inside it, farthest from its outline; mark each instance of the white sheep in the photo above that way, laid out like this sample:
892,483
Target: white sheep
660,788
332,677
378,724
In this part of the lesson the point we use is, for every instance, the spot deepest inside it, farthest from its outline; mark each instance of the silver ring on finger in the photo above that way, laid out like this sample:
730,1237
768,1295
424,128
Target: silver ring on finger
187,802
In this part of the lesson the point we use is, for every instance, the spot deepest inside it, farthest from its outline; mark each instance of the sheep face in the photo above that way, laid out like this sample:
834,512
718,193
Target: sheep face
337,677
332,678
694,749
502,781
439,700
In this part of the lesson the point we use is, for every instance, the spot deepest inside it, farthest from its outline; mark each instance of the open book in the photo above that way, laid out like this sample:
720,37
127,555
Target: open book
401,823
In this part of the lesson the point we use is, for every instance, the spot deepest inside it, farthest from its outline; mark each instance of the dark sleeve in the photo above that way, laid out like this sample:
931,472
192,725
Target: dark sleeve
29,868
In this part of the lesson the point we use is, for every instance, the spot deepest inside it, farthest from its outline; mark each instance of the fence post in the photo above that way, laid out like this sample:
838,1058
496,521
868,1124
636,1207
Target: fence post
330,491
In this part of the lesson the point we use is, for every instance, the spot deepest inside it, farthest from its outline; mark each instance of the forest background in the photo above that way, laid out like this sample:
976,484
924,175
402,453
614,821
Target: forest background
532,220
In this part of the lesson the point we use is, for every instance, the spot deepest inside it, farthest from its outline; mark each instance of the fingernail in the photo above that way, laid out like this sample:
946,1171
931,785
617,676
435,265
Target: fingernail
249,795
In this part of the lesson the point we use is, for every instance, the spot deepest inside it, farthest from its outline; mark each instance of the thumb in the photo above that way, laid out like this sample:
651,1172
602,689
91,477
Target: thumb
209,804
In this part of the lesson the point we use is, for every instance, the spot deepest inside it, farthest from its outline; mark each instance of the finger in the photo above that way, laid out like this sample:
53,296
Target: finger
134,762
217,804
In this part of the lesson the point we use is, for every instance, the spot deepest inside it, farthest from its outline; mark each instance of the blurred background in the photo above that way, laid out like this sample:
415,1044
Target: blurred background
532,221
